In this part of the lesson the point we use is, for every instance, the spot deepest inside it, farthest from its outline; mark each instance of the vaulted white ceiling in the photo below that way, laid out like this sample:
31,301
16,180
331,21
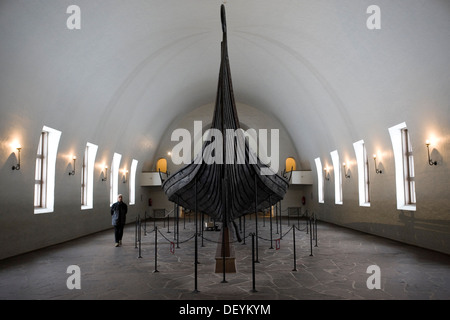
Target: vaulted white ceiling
136,66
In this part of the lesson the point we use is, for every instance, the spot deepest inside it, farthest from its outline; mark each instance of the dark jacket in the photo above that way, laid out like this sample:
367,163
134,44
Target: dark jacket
118,213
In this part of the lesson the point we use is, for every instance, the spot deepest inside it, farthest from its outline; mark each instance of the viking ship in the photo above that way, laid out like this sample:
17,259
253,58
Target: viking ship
225,190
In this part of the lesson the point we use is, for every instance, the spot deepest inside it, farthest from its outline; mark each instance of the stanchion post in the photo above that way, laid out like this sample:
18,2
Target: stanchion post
295,255
203,227
156,249
139,233
281,231
276,215
270,218
175,211
224,210
244,230
223,256
315,227
135,233
253,264
264,219
178,226
256,217
307,222
145,223
313,230
310,238
196,248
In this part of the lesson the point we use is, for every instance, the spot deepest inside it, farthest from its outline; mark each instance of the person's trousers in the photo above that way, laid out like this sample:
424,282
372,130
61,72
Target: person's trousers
118,232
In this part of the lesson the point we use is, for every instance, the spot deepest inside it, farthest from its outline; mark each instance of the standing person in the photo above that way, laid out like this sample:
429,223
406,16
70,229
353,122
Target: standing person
118,213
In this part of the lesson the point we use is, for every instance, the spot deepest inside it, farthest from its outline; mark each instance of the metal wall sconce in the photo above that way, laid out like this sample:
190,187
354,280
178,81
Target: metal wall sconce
345,171
430,162
376,169
106,174
17,166
327,174
72,173
125,172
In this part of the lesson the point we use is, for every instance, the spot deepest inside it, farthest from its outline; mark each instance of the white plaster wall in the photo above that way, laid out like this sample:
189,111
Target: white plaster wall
429,225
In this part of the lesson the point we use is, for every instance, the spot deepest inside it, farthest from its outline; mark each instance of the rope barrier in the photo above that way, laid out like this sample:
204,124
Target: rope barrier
306,228
164,236
188,239
310,227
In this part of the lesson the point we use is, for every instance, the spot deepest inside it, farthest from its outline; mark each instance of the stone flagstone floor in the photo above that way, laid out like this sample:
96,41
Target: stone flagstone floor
337,270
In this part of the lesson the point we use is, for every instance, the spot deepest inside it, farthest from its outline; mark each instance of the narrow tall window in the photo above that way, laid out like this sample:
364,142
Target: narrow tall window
408,169
87,176
132,183
44,177
84,178
114,179
40,176
363,173
337,177
404,167
319,180
366,177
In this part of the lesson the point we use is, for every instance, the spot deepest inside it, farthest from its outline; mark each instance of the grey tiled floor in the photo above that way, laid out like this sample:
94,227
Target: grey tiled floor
337,269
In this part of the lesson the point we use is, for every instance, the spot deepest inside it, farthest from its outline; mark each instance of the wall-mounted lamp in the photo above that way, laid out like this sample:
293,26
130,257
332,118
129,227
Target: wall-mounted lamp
17,166
106,174
430,162
345,171
327,175
376,169
72,173
125,172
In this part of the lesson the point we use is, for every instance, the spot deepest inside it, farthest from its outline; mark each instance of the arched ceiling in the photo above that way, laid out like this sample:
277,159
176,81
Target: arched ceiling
135,66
